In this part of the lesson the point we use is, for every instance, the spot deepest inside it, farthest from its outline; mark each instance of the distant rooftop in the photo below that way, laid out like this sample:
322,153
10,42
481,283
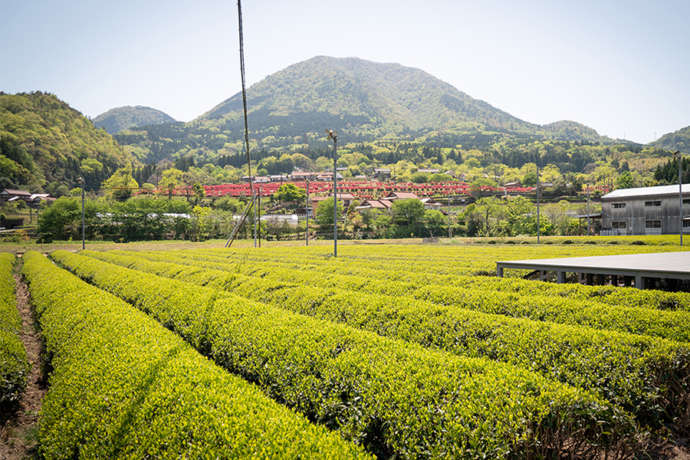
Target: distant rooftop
640,192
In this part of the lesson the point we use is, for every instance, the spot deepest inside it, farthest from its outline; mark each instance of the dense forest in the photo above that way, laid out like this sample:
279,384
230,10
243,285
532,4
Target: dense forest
45,145
677,140
121,118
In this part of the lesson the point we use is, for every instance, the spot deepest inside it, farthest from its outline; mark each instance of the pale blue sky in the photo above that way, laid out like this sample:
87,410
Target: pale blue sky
622,67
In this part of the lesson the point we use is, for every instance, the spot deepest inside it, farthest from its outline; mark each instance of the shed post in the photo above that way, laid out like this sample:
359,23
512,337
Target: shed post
561,277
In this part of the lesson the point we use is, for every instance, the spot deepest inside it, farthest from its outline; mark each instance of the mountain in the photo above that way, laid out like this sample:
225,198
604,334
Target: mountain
121,118
363,101
361,97
572,131
677,140
45,144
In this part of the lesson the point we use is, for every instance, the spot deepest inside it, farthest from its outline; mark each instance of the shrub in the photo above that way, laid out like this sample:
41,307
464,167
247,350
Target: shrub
394,397
122,386
14,366
647,376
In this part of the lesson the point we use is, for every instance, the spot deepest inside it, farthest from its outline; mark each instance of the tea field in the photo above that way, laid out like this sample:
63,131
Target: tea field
406,351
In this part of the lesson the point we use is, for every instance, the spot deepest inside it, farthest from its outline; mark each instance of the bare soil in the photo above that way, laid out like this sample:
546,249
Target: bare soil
18,435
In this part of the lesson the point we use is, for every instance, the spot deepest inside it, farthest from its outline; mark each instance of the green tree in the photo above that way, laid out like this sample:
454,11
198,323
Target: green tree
408,216
199,192
290,193
202,223
324,212
228,203
435,222
625,180
121,184
171,179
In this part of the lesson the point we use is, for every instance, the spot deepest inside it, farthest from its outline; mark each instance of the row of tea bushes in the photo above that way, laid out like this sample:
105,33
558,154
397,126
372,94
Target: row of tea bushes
394,397
649,377
670,325
14,366
122,386
467,260
625,297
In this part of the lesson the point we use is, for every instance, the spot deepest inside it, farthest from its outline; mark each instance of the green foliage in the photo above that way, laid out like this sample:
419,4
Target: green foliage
395,112
290,193
14,366
121,184
408,217
677,140
625,180
121,118
123,386
202,222
543,306
172,179
228,203
513,216
394,398
667,173
139,218
43,141
324,213
638,373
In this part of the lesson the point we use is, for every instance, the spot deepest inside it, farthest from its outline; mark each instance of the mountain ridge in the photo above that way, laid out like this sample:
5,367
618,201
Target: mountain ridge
126,117
675,140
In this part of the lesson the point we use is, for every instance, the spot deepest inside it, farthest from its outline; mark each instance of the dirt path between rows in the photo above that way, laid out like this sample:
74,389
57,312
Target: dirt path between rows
18,436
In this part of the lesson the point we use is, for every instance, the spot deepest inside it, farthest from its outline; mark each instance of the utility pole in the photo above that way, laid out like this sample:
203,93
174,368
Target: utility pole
246,136
306,231
258,205
254,209
538,187
589,223
83,224
680,193
332,135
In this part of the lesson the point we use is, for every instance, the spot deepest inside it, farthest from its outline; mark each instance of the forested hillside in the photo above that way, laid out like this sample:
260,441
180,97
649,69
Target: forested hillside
121,118
677,140
45,144
362,100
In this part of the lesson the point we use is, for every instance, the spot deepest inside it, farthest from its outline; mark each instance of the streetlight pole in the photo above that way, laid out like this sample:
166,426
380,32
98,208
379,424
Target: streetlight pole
332,135
83,224
680,193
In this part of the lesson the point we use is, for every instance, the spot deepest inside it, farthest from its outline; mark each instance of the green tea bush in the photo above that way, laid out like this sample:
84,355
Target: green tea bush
122,386
394,397
14,366
670,325
611,295
649,377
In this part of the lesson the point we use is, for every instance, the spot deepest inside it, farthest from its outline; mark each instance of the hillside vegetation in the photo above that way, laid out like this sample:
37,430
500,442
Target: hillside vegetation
121,118
677,140
363,101
46,144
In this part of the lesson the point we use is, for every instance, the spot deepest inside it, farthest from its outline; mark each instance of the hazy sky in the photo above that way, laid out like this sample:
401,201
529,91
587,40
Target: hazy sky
622,67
